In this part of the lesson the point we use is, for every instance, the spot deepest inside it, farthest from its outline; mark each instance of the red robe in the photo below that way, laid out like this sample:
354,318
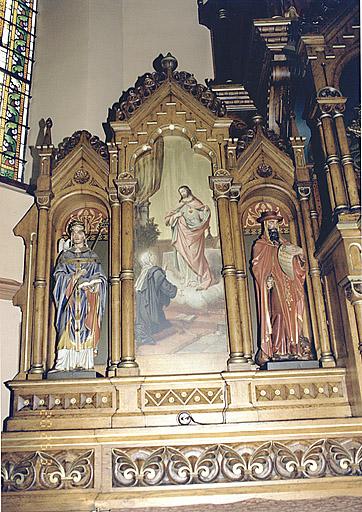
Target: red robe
280,310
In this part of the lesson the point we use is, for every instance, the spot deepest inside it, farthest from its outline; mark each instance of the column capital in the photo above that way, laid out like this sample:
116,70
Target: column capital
113,195
235,190
353,289
330,101
43,199
126,186
220,184
304,189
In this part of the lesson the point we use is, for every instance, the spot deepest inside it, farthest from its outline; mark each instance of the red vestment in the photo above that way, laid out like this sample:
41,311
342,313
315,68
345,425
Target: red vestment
280,309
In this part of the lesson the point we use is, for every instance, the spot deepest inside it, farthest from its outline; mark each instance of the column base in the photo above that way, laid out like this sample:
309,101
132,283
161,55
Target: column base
127,371
36,372
327,361
239,363
355,209
35,376
111,370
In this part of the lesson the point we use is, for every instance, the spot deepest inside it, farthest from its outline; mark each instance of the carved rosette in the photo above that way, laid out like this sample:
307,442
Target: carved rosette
45,471
81,176
126,187
220,183
264,170
236,463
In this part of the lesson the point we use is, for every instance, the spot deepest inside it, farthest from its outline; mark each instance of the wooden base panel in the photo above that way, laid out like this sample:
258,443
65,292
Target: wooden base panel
110,469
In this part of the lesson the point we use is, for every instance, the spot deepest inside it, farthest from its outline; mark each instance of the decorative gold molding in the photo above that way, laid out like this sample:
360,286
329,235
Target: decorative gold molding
187,396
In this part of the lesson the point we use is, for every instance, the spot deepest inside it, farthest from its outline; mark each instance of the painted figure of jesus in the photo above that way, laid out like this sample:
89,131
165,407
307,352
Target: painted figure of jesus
188,223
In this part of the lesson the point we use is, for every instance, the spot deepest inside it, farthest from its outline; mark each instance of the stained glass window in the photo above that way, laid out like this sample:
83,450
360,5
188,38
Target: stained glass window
17,30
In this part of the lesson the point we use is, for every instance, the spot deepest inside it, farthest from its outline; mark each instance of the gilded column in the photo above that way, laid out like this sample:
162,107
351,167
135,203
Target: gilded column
221,184
354,294
114,327
115,283
328,98
326,359
304,188
346,160
313,209
126,185
241,276
43,200
326,167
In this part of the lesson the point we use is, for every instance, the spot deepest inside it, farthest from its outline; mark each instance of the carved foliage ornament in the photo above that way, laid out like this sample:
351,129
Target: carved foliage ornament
147,84
40,471
317,14
245,136
251,224
69,143
92,218
222,463
220,183
127,187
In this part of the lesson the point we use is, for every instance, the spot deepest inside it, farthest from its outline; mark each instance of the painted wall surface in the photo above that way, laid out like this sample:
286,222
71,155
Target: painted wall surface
87,52
13,205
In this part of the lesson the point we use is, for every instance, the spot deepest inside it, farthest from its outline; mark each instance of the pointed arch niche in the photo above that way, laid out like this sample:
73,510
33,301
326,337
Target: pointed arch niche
177,138
265,178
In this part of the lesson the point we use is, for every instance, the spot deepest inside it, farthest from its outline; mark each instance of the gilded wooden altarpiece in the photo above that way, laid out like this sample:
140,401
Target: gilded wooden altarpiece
213,418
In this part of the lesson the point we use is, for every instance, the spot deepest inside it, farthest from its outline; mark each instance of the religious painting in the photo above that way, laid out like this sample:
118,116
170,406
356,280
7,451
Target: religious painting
179,294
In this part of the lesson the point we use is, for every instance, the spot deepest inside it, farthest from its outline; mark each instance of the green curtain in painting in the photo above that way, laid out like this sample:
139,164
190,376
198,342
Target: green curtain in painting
148,171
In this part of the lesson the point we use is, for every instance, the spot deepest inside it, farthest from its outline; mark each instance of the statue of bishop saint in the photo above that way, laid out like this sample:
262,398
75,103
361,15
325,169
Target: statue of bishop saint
80,297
